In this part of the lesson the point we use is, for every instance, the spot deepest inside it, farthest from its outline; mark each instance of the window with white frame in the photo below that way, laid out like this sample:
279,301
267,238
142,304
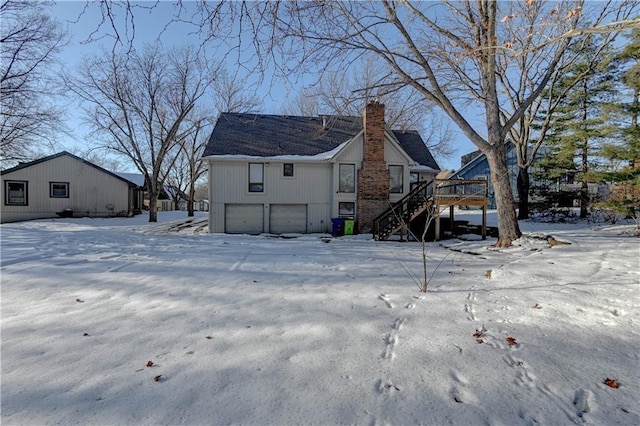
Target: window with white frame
256,177
16,192
414,179
396,177
59,189
346,209
347,178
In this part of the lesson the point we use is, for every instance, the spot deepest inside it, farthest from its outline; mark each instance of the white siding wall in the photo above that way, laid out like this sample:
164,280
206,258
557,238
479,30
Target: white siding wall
313,184
352,154
310,185
91,191
393,156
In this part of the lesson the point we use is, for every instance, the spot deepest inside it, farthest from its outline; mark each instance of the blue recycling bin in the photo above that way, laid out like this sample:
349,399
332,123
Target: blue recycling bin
337,226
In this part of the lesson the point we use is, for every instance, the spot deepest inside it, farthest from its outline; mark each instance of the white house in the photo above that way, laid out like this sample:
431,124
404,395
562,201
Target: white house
281,174
63,184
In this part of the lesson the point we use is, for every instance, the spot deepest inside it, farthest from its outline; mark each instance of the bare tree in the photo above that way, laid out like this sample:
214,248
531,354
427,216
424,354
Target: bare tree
345,93
524,32
139,104
29,42
232,95
448,52
187,168
229,95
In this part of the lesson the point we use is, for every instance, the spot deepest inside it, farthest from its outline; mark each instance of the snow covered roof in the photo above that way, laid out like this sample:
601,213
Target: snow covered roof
135,178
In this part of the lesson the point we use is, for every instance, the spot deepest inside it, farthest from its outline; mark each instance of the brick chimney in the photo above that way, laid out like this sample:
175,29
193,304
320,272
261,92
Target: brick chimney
373,176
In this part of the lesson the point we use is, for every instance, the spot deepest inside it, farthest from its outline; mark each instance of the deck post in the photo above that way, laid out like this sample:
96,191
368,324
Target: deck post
452,219
437,236
484,222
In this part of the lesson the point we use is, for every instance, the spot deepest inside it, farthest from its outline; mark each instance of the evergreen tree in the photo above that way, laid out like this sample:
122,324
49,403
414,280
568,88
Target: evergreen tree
581,122
623,152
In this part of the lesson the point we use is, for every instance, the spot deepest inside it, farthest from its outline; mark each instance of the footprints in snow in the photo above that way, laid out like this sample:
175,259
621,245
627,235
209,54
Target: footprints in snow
386,300
391,342
391,339
468,307
459,391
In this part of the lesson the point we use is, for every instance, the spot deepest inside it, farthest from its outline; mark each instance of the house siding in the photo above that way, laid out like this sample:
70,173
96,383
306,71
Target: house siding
322,146
352,154
91,191
228,184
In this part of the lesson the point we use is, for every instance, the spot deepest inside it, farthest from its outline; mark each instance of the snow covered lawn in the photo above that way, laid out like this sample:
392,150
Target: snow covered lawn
121,322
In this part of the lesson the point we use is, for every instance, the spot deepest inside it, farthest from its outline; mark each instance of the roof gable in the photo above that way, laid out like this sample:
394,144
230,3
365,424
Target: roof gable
259,135
61,154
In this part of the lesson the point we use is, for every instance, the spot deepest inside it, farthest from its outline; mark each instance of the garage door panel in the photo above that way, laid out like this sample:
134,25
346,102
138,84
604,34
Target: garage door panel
244,218
288,218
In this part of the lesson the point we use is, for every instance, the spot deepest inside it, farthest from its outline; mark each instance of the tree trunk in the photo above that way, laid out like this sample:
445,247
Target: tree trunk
584,199
584,190
508,227
153,206
523,193
192,194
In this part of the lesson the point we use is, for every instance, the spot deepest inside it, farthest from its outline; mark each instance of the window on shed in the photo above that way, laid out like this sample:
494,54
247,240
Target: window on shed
59,189
347,178
287,169
16,193
396,183
256,177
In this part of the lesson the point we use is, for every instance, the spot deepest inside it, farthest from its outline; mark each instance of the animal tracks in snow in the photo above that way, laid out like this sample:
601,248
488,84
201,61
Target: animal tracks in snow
459,391
385,386
469,305
385,298
391,338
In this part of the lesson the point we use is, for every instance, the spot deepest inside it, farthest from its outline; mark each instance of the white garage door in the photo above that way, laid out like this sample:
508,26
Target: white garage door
243,218
286,218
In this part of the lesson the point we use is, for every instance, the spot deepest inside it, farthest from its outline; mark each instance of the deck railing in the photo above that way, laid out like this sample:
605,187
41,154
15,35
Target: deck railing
460,189
424,194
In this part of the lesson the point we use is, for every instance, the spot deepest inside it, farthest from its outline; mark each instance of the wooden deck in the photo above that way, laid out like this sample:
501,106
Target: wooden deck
433,195
460,192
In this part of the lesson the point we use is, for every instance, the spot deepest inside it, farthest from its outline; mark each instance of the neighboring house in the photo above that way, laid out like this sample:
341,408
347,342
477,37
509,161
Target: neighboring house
65,184
476,166
279,174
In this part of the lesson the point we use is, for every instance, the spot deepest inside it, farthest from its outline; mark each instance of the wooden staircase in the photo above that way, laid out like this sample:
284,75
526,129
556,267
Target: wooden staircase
434,195
402,212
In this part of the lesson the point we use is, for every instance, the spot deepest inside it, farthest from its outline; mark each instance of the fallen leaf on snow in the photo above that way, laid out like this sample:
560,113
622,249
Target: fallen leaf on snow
612,383
149,363
511,341
157,378
537,306
79,300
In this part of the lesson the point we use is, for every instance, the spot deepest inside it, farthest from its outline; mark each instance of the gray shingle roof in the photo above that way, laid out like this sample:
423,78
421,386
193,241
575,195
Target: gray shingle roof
278,135
65,153
412,143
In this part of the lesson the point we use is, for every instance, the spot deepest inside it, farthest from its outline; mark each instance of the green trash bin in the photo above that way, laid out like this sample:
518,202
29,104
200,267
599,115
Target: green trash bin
348,226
